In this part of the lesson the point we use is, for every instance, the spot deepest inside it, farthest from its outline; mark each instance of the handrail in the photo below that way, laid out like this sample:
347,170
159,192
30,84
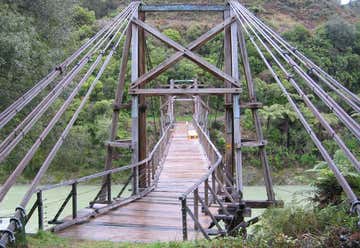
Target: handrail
210,190
153,163
108,172
213,167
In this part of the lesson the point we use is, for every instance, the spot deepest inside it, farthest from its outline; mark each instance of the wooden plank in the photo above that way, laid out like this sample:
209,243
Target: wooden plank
253,144
263,204
119,143
203,91
183,7
251,105
177,56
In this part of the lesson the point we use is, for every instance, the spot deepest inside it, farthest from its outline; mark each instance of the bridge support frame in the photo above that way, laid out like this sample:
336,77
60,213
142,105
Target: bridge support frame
233,42
256,119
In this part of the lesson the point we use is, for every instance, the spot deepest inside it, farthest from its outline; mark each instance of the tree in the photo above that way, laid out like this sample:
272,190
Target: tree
282,115
298,34
340,33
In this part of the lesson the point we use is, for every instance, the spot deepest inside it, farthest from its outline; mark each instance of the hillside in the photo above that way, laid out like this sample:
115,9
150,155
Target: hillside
283,14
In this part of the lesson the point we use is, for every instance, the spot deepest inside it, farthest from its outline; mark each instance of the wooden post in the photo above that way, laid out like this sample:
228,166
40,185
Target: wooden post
135,105
196,103
237,143
40,210
206,191
257,122
142,104
228,100
236,108
171,103
116,107
135,138
108,187
74,200
196,208
184,216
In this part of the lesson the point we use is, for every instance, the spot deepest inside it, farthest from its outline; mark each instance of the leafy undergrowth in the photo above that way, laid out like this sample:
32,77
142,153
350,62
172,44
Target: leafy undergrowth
307,226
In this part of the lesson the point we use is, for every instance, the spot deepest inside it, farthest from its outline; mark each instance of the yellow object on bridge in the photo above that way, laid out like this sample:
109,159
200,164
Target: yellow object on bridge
192,134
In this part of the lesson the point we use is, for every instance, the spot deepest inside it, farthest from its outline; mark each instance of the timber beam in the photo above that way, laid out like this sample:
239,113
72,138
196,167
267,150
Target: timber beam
183,7
187,53
203,91
182,51
119,143
263,204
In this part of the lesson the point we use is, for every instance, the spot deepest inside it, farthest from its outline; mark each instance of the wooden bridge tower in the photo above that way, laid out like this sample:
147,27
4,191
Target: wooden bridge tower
234,45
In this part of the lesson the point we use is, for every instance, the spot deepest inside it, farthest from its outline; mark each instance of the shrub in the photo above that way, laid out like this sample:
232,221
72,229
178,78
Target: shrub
328,190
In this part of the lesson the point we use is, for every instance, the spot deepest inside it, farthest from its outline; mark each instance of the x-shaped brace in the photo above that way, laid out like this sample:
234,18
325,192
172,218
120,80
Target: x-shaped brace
187,52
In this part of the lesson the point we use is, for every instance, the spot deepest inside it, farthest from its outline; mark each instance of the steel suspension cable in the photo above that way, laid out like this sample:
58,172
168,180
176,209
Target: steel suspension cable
27,158
5,238
27,97
66,131
316,112
340,178
293,51
24,127
326,78
351,124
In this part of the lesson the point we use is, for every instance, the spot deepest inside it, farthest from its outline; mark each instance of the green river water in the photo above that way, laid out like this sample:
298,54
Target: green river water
53,199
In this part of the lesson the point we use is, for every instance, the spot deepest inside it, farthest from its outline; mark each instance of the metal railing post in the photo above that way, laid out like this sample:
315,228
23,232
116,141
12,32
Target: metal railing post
196,208
40,210
206,193
184,216
148,173
213,181
109,188
74,200
152,169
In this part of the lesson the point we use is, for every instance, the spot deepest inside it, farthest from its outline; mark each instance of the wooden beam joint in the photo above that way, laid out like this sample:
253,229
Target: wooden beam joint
203,91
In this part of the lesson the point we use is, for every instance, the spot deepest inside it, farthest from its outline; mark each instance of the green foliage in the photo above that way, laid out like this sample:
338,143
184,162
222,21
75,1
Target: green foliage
173,34
303,227
328,189
101,8
83,16
299,33
340,33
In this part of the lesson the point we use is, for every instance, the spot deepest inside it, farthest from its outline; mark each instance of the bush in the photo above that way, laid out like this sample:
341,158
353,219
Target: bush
328,190
341,33
305,227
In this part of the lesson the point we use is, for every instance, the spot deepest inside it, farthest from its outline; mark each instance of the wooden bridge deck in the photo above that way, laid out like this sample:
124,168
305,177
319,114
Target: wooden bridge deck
156,217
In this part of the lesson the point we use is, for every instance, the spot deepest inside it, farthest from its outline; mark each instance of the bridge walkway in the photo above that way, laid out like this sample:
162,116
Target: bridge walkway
157,216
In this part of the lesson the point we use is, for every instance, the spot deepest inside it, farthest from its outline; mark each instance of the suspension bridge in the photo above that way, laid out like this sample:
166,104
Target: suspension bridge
184,188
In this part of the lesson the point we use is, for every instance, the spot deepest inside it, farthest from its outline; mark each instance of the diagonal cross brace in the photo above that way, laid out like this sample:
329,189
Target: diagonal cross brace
187,52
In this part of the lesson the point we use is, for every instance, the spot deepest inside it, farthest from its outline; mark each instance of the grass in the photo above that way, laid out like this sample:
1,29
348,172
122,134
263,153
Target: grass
50,240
